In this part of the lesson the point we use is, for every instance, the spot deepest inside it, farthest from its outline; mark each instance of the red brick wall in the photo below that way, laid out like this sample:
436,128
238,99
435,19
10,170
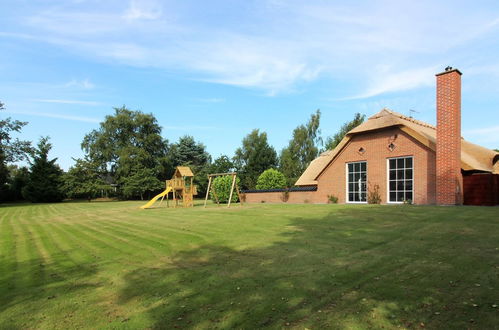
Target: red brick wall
375,144
448,153
295,197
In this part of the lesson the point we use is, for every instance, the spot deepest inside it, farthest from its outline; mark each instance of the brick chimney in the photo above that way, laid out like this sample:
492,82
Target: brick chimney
448,166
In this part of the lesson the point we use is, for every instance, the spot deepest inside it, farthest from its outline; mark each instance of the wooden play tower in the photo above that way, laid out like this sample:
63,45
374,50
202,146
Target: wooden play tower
182,187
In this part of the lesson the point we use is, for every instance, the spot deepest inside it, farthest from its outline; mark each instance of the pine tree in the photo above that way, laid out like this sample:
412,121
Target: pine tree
45,176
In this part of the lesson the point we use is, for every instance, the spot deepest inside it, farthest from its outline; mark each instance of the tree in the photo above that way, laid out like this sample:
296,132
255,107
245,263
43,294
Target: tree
127,141
334,140
188,152
84,180
302,148
18,178
141,181
254,157
11,150
271,179
4,176
222,164
45,176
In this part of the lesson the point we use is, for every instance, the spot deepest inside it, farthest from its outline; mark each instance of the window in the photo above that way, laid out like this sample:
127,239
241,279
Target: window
357,182
400,179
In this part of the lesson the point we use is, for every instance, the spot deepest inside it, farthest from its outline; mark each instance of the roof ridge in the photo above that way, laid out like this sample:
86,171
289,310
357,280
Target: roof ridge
412,120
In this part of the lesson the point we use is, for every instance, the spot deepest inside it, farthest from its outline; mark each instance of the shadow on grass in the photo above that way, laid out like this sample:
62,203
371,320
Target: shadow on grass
353,268
35,286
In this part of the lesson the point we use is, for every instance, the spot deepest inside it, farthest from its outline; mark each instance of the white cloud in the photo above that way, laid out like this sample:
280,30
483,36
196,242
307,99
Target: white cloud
275,46
143,9
85,84
92,103
386,81
252,62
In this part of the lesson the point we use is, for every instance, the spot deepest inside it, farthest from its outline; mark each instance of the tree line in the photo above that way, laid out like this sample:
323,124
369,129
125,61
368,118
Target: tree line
127,157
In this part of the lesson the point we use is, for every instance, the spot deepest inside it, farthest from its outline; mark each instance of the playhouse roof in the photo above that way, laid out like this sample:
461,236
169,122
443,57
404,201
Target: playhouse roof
184,171
473,157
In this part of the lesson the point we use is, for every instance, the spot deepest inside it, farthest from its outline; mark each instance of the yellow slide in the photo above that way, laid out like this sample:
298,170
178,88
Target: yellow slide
152,201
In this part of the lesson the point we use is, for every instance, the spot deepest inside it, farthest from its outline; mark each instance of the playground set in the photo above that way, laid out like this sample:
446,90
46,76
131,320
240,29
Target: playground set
183,190
213,190
181,187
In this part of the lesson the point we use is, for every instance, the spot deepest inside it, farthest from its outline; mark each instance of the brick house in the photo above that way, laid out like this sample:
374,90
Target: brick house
403,160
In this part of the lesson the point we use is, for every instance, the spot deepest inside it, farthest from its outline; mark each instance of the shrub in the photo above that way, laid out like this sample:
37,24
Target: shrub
332,199
285,196
222,185
373,196
271,179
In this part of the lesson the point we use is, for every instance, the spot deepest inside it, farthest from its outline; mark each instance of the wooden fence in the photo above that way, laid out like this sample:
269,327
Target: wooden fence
481,189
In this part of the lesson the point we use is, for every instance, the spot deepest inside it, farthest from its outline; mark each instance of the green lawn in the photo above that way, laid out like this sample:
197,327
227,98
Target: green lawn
112,265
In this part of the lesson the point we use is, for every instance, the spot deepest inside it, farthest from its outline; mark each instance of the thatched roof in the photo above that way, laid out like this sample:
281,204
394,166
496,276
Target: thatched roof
183,171
473,157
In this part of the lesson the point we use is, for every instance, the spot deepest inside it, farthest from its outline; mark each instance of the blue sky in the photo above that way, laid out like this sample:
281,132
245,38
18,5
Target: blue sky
216,70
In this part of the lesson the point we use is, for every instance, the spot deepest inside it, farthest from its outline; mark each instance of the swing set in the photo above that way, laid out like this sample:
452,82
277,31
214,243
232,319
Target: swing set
213,190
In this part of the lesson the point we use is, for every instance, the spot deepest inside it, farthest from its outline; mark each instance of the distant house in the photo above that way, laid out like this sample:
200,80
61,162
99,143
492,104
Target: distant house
401,159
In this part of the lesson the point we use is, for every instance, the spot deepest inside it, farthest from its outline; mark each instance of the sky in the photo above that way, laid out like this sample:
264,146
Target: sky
215,70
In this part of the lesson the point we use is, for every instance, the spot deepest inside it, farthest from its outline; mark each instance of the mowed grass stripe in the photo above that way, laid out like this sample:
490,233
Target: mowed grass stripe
39,239
164,233
8,251
31,272
40,256
93,249
120,243
128,237
147,233
82,231
231,225
68,254
76,231
236,221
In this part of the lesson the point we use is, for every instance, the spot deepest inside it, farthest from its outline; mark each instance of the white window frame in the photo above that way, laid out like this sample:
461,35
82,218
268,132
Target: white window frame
388,178
346,182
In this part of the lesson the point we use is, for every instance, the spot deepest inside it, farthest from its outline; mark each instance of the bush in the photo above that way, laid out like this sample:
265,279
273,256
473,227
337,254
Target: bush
332,199
373,196
271,179
222,185
285,196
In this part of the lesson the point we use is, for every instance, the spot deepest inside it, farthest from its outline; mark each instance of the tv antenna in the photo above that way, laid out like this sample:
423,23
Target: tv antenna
411,112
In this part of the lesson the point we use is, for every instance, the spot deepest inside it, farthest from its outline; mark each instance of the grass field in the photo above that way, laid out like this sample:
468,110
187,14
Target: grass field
111,265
